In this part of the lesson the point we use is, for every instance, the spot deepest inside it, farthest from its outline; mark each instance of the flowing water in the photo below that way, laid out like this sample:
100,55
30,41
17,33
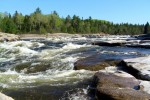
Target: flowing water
42,69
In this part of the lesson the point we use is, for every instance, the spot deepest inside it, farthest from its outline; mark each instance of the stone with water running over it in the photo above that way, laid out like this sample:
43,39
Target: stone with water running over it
30,67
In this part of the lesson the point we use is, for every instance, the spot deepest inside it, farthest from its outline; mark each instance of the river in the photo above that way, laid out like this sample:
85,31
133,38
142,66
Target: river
43,69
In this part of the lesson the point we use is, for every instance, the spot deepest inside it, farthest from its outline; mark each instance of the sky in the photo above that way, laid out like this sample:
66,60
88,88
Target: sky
116,11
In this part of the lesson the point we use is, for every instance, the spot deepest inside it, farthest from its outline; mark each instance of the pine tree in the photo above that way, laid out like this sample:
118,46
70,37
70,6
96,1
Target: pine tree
146,28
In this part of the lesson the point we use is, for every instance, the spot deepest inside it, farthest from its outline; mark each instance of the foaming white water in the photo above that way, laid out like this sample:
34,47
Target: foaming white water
53,53
10,50
76,94
27,51
73,46
16,80
17,47
117,52
50,54
27,44
4,85
10,72
69,59
60,71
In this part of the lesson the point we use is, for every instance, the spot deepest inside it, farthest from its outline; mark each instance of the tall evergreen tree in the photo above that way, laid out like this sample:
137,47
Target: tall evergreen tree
37,22
146,28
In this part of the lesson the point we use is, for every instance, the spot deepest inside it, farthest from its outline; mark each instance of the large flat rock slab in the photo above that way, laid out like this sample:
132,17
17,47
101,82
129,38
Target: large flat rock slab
139,44
95,63
139,66
110,43
118,85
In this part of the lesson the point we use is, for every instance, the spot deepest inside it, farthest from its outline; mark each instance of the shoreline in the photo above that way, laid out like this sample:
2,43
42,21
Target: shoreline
60,35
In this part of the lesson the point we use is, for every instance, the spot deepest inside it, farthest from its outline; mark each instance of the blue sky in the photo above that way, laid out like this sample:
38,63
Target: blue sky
117,11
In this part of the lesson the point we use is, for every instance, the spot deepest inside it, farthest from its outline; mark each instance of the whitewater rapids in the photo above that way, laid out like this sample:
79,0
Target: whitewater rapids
28,64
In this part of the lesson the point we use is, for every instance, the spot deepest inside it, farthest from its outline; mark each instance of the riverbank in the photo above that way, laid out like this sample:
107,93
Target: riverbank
23,36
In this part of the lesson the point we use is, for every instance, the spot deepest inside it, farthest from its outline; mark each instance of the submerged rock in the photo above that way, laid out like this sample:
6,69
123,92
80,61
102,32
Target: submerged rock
118,86
95,63
4,97
139,67
30,67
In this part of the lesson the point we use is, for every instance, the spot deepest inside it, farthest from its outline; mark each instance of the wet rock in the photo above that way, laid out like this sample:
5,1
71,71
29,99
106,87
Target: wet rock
145,86
139,67
144,37
118,86
139,44
109,43
121,94
8,37
95,63
4,97
98,35
30,67
21,66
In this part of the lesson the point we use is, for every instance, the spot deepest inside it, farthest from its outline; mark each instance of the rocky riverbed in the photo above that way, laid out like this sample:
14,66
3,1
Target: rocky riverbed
119,77
69,67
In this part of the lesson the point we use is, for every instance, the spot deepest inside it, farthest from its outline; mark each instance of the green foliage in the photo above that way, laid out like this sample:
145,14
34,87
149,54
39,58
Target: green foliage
42,30
38,11
8,26
146,28
18,21
37,22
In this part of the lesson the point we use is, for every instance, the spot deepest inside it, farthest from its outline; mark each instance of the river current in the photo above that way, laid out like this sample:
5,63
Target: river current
43,69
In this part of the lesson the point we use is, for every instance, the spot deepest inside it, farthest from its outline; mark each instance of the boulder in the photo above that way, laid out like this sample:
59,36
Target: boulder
139,67
118,85
4,97
145,86
32,67
95,63
139,44
8,37
144,37
109,43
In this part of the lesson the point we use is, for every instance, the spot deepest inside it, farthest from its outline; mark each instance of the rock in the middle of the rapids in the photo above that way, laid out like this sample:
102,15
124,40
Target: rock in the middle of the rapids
139,67
118,86
95,63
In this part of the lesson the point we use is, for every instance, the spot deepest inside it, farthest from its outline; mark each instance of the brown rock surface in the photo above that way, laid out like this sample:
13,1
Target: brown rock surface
95,63
109,43
118,86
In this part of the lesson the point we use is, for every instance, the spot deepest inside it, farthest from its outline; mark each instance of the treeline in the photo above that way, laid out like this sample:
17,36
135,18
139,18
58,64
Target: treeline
39,23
